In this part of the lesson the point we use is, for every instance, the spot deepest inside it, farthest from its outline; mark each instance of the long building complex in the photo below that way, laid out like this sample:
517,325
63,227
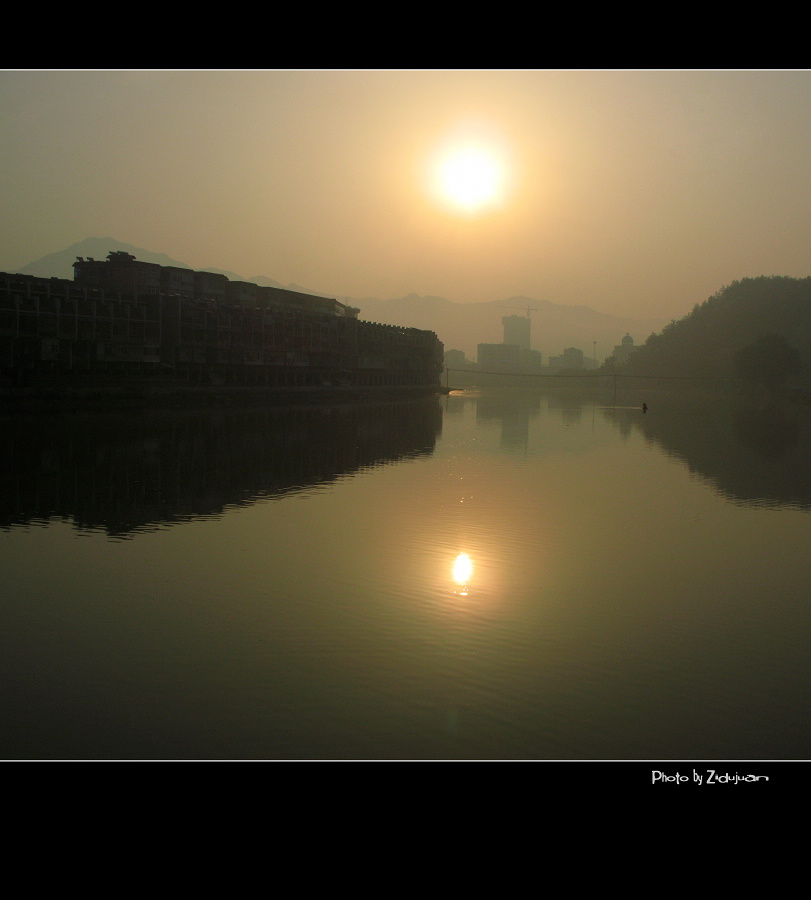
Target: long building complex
125,316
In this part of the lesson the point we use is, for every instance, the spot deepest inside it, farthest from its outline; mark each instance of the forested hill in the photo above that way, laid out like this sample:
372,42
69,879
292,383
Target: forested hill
705,342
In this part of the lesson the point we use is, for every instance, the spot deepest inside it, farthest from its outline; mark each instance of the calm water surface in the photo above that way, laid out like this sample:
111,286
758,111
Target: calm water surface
290,584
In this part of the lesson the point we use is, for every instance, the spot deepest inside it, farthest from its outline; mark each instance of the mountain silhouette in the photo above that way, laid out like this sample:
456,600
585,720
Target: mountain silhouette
463,326
460,326
60,265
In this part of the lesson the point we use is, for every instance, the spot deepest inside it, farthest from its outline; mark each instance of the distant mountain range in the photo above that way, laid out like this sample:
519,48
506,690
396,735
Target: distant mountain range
60,265
460,326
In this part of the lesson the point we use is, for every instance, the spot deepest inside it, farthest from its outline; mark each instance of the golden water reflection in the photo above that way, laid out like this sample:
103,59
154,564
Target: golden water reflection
462,572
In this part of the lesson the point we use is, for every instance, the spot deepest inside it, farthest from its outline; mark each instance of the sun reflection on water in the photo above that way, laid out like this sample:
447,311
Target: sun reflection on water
462,571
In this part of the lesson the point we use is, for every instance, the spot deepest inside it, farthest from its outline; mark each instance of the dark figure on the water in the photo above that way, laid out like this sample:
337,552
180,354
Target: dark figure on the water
644,407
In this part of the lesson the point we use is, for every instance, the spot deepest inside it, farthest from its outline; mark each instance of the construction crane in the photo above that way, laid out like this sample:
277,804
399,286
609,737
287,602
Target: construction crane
529,308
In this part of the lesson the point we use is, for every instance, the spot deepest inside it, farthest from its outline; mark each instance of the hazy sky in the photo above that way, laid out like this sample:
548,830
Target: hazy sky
634,192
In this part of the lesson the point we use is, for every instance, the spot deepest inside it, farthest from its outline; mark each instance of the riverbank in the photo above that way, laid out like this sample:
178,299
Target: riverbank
134,396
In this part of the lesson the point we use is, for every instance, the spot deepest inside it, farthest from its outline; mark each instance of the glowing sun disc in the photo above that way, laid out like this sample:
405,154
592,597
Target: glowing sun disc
470,177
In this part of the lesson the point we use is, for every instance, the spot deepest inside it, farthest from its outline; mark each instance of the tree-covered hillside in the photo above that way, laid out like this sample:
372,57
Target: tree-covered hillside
708,341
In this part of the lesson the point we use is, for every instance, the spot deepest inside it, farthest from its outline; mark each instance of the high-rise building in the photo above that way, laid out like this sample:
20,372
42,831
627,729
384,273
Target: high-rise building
517,331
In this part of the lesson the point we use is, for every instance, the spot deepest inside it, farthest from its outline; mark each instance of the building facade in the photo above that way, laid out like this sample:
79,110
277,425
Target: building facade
508,359
122,316
570,359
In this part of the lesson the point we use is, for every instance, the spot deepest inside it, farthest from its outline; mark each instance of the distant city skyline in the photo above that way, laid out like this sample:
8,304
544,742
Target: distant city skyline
635,193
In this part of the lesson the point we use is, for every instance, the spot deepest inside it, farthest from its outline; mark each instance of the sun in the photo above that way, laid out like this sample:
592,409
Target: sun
470,177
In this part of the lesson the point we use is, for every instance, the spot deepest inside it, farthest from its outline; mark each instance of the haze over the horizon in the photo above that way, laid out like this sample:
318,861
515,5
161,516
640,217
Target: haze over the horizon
636,193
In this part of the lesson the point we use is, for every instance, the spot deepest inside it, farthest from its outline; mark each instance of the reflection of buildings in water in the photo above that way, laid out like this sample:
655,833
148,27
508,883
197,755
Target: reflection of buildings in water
515,431
570,406
126,474
571,415
454,404
514,410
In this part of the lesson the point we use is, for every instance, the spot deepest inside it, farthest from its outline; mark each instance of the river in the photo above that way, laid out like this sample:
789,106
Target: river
487,575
